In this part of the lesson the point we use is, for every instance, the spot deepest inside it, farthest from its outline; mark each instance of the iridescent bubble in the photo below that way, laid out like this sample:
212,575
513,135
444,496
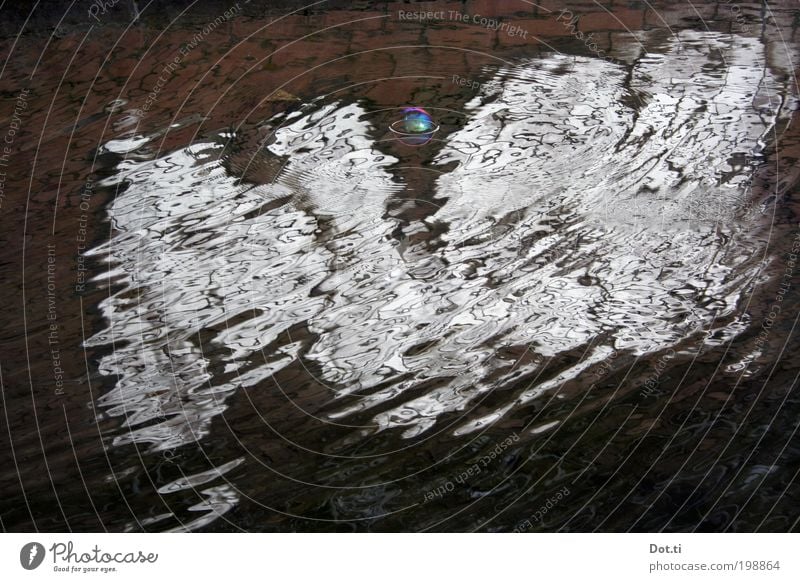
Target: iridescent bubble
416,120
416,127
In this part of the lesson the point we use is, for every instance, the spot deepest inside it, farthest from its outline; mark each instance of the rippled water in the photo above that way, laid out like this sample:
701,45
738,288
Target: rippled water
575,217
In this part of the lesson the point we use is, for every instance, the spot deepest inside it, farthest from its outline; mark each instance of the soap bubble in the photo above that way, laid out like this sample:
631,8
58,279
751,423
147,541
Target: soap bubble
416,127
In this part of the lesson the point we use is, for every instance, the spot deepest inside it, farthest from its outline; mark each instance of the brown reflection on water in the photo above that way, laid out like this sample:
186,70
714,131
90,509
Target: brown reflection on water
295,323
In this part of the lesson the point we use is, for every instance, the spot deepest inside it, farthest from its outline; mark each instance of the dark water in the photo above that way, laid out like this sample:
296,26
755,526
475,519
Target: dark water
558,315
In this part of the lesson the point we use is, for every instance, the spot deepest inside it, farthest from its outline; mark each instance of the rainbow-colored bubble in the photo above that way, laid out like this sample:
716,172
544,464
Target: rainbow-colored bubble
416,126
417,120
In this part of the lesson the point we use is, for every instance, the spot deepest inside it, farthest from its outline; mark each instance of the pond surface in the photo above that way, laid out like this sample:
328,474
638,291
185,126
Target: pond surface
546,318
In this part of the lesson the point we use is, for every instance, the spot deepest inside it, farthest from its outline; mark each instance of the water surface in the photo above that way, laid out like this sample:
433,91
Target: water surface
308,325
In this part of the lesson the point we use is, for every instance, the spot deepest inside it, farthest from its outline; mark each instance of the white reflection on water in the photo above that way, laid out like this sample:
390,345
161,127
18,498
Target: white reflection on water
596,218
